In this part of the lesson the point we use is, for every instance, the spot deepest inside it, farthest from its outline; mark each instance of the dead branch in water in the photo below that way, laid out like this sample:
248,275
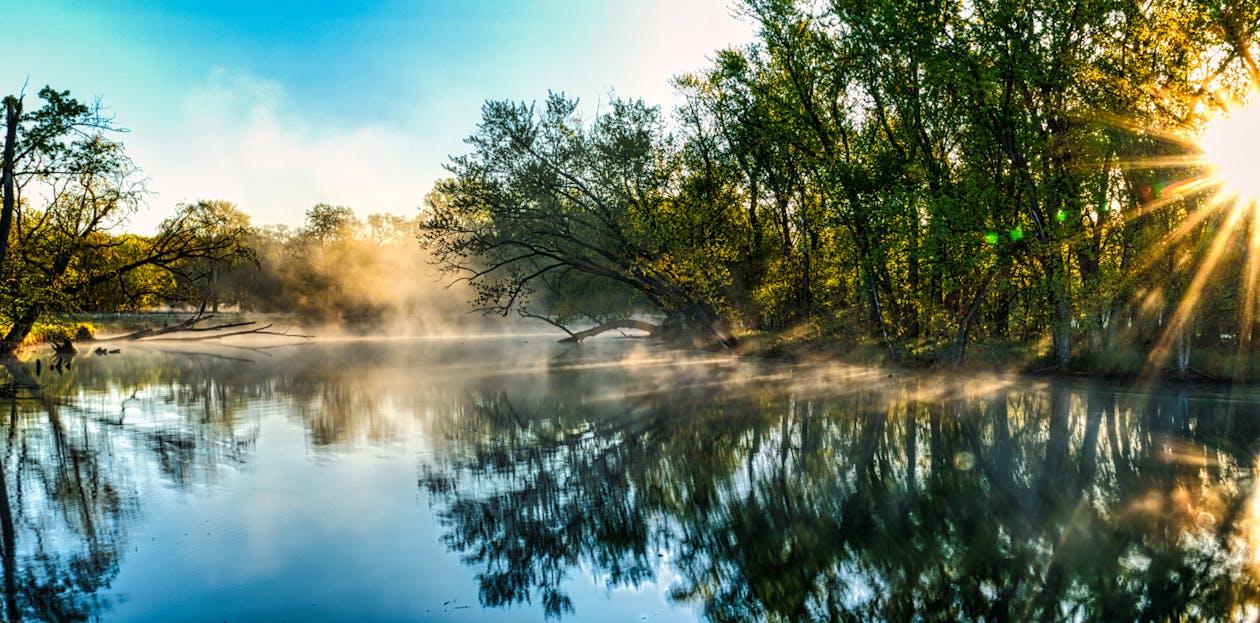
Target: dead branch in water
263,330
648,327
525,314
576,338
188,331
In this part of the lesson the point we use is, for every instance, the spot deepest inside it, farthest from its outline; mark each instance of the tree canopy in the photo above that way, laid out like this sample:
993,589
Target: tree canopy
547,205
922,176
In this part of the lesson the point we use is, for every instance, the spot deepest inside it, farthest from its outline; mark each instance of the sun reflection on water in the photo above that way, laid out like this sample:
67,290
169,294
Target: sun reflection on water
1249,526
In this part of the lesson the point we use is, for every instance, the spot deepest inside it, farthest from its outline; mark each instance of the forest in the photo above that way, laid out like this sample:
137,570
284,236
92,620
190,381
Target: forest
936,179
928,182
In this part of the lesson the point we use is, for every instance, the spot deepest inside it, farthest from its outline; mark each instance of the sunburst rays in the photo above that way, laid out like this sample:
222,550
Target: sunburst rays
1224,158
1229,146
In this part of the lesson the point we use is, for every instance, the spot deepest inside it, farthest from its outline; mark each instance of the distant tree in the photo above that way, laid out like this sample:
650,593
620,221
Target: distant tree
216,223
326,223
266,284
339,268
387,228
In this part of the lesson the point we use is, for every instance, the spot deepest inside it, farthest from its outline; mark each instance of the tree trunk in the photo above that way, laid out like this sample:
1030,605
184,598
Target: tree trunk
1183,351
1062,333
1061,321
13,113
17,333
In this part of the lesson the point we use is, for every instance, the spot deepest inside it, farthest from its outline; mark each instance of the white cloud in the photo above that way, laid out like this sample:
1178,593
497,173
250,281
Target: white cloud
233,135
243,139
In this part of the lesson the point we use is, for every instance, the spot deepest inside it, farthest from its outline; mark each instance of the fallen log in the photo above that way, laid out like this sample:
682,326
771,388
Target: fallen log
651,330
184,327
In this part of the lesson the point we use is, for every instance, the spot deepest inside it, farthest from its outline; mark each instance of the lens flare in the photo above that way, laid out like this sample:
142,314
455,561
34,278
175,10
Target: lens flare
1230,147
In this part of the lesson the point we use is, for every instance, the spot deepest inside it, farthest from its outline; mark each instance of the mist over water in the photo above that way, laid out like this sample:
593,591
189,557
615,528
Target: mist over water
511,478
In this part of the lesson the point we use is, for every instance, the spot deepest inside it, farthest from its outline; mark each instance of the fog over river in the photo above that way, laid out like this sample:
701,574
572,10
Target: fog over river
511,478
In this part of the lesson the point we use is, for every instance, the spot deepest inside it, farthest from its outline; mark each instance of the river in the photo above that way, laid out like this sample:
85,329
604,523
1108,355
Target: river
510,478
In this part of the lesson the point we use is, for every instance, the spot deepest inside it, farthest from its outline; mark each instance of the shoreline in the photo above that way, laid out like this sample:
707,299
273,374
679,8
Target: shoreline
1121,365
1211,366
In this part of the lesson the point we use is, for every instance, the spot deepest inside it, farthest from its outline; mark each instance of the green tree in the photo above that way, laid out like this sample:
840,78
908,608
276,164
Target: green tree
68,187
978,170
544,199
219,224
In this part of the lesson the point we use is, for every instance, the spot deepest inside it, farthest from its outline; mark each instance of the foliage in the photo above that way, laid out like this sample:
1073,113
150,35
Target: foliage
936,173
72,189
548,204
338,268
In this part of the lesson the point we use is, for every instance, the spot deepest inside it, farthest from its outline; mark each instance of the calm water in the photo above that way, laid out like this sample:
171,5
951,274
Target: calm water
513,479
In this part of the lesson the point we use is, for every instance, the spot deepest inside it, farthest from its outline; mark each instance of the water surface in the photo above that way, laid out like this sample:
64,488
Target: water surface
513,479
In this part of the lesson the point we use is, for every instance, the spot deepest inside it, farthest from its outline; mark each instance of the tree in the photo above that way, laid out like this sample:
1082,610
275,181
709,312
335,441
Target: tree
216,223
977,170
547,205
40,142
326,223
923,175
67,188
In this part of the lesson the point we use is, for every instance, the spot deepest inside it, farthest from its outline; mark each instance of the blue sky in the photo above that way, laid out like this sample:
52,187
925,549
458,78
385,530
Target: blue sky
277,105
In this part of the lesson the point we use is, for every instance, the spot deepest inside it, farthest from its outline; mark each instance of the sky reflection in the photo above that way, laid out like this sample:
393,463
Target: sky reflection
373,481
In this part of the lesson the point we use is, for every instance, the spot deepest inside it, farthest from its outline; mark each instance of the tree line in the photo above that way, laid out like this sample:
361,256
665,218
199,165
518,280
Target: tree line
922,175
340,268
69,189
334,268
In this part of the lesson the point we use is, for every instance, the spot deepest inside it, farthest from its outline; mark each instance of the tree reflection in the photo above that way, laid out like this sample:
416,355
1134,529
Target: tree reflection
759,496
67,484
62,516
1023,502
75,457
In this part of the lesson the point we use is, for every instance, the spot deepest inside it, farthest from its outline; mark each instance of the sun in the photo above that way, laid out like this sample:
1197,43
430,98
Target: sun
1226,174
1231,148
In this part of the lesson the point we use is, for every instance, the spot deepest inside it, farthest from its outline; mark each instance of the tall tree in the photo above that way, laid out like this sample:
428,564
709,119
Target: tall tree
38,144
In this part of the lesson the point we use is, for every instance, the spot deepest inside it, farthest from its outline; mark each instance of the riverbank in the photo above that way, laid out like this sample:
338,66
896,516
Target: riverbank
804,344
1225,364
